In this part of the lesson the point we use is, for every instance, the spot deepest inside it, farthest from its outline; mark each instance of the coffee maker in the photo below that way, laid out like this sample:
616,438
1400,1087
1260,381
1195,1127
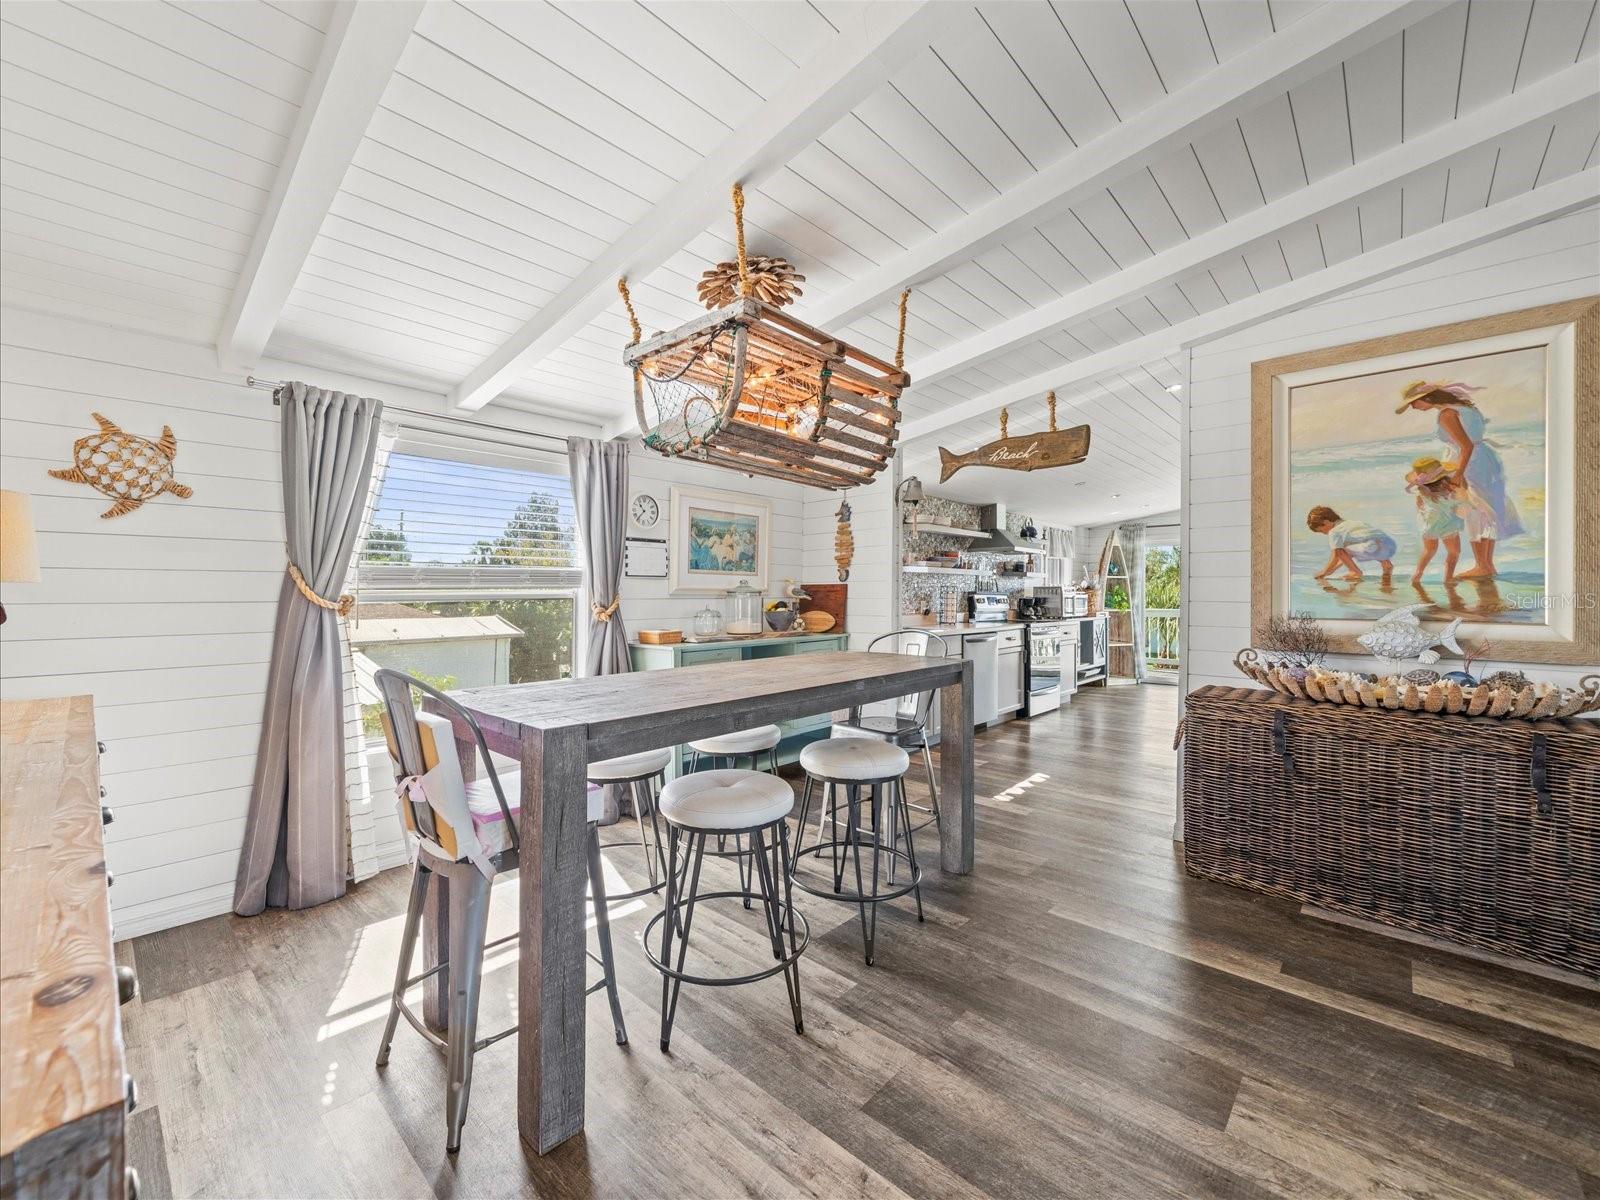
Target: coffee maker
1030,608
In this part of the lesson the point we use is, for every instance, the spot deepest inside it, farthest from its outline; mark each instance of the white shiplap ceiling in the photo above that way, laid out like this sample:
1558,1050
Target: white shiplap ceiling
1074,190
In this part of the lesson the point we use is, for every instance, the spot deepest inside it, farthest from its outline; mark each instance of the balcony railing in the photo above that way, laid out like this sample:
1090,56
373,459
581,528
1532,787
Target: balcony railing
1161,647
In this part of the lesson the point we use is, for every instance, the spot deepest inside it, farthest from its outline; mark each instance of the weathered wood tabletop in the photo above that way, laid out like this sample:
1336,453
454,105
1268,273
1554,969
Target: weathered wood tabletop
62,1070
555,729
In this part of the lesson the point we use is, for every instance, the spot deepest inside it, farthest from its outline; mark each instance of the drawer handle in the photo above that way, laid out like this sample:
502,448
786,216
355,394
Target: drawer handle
131,1092
110,879
106,815
132,1179
102,791
100,746
127,984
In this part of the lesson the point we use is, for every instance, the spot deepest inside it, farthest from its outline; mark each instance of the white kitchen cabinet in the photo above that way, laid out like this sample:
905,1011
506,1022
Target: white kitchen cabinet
1013,680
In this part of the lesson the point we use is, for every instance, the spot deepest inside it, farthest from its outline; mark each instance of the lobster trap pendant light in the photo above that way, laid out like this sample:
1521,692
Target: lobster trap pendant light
750,388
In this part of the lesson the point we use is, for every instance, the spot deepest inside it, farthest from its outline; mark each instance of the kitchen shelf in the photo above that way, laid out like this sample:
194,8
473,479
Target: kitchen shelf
921,569
947,530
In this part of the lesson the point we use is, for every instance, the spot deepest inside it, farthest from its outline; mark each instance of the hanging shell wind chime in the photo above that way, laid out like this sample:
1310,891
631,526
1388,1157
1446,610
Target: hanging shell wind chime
750,388
844,542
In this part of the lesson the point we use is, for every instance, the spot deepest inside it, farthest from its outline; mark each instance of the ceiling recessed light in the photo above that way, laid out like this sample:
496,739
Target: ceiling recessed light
1175,388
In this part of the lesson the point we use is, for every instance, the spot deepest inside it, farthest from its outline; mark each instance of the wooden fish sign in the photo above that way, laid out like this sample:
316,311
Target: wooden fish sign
1032,452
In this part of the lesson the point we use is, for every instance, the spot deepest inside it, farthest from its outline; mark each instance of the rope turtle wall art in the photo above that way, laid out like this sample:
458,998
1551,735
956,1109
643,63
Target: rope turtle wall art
749,388
127,468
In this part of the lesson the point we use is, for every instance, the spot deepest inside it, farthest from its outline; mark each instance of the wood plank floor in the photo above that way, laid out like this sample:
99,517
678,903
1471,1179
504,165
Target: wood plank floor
1078,1018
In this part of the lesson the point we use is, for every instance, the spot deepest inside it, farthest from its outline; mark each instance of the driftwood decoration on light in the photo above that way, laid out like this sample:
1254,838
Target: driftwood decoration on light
127,468
1031,452
752,389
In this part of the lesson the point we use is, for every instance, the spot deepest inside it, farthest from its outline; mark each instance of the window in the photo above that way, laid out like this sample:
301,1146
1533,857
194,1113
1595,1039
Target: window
469,574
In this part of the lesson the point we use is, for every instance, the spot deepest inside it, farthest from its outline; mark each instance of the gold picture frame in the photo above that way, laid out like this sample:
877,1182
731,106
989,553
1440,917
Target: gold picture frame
1565,629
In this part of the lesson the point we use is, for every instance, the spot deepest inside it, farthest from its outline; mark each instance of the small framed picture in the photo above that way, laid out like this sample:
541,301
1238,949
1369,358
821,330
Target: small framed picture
718,539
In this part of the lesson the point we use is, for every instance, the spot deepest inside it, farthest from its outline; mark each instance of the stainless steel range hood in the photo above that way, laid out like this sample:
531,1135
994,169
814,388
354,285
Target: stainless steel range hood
1000,540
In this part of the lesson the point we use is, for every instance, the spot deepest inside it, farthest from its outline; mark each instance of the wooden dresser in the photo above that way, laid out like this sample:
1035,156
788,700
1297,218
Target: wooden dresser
64,1088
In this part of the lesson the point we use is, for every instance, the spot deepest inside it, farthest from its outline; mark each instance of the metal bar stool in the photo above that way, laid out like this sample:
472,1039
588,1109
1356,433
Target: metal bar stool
860,765
725,803
907,726
640,773
726,750
464,833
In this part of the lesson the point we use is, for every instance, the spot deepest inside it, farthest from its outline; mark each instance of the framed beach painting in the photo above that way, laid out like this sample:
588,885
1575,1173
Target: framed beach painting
1456,468
718,539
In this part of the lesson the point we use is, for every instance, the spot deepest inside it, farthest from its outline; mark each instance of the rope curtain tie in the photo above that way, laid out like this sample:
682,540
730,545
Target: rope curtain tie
604,613
342,605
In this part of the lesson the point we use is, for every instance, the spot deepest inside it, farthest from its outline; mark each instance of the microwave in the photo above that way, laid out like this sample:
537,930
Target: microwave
1075,604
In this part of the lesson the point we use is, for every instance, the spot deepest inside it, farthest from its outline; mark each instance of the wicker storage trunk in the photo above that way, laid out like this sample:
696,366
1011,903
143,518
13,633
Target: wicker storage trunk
1483,832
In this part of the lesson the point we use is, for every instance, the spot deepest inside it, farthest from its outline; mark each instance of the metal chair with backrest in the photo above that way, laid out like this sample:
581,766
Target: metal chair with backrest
464,832
906,727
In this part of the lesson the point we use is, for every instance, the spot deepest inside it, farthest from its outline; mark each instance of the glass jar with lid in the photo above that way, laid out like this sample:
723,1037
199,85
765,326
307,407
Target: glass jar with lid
708,623
744,610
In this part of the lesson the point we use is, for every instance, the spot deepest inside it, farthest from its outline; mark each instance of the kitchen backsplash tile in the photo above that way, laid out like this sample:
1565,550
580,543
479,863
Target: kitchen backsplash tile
926,593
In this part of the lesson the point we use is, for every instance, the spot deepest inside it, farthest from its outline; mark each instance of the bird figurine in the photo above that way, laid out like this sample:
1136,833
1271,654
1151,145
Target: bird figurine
1399,637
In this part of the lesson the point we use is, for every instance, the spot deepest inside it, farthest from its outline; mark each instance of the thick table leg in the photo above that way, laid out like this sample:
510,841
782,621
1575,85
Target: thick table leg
550,1000
956,807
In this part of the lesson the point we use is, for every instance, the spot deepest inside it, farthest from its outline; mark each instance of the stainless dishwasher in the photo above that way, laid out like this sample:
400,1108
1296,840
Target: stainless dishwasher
984,651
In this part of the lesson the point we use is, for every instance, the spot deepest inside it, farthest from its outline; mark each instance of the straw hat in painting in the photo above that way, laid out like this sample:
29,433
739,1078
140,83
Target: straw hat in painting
1426,470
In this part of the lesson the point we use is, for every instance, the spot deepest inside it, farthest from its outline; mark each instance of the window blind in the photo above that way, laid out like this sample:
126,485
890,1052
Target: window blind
470,523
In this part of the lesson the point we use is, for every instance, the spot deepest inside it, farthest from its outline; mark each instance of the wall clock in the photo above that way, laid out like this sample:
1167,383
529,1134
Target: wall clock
644,514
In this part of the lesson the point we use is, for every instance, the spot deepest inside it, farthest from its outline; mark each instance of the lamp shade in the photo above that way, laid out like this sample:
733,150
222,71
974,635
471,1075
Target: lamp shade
19,553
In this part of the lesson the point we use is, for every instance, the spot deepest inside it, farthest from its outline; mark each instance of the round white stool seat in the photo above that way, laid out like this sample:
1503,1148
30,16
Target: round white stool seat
725,801
630,766
850,759
744,741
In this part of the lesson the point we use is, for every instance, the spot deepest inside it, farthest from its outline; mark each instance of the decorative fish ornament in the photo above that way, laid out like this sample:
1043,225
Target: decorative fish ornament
1399,636
127,468
1032,452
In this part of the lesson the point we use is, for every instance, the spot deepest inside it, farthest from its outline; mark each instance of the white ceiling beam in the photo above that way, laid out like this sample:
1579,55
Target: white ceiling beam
824,89
1573,86
359,54
1577,191
1326,36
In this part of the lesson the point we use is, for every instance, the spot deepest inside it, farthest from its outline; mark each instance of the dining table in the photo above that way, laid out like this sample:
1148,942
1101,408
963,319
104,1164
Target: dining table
555,728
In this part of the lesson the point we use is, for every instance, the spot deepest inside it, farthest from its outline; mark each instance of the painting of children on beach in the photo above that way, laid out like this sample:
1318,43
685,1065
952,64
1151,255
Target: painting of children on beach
1421,485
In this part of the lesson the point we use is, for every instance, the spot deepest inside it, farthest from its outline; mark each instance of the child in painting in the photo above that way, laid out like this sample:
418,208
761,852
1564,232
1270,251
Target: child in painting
1445,508
1352,543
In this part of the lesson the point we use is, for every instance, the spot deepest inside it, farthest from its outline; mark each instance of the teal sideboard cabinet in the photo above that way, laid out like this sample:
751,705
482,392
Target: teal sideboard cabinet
795,733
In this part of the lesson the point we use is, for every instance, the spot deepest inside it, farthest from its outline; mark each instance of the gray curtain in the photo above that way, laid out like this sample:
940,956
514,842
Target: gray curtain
1133,542
600,504
295,851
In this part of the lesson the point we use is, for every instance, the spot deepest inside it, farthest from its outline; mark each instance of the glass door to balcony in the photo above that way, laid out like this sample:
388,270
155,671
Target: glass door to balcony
1161,648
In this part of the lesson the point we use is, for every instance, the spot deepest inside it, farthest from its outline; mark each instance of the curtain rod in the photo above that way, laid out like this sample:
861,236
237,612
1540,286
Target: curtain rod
273,385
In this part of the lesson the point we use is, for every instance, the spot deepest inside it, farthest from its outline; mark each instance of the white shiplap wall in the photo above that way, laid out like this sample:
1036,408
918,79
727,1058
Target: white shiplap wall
873,603
165,615
1558,260
649,603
